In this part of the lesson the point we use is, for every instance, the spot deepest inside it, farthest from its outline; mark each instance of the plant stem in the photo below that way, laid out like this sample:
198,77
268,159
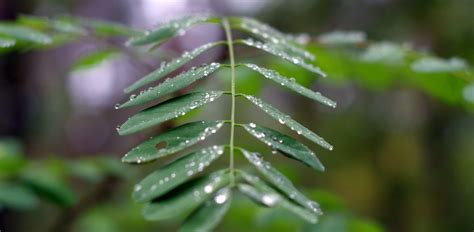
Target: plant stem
230,45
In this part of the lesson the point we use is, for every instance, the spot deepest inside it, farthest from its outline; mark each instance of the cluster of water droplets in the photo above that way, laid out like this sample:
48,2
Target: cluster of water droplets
274,36
286,120
203,159
209,188
175,83
6,43
275,50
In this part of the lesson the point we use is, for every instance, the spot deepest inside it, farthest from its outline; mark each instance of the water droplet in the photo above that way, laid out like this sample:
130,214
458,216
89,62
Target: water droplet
222,196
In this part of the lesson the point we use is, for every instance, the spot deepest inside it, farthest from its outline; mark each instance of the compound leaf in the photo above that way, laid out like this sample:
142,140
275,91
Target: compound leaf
169,67
280,181
291,83
174,140
288,121
208,216
175,173
285,144
265,195
167,110
171,85
193,194
277,51
170,29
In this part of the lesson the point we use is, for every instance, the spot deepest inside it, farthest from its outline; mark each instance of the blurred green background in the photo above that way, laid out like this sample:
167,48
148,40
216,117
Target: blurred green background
403,137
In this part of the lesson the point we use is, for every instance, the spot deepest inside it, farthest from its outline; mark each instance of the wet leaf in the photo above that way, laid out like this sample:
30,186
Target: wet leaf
342,38
6,42
171,66
265,195
280,181
170,29
208,216
167,110
172,84
271,35
289,122
285,144
174,140
277,51
175,173
291,84
434,65
192,195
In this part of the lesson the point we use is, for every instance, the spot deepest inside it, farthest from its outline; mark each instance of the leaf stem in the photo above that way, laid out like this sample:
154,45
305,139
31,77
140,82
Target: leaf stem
230,45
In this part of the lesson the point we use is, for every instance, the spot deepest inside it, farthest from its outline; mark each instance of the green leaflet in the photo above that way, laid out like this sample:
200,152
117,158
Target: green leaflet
290,83
285,144
208,216
288,121
280,181
6,42
169,67
17,197
93,59
271,35
171,85
170,29
23,33
50,185
265,195
435,65
342,38
99,27
277,51
43,23
175,140
167,110
192,195
175,173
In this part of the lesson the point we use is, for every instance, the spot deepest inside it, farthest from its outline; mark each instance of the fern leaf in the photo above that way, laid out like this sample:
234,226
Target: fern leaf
172,84
169,67
167,110
175,173
291,84
285,144
175,140
277,51
208,216
280,181
170,29
190,196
